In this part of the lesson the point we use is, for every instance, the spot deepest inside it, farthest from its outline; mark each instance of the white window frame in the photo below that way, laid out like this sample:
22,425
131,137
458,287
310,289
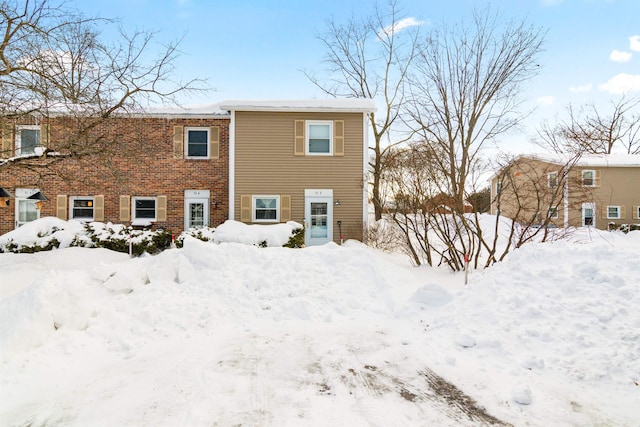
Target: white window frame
552,176
553,213
72,199
593,177
134,199
308,125
618,210
638,212
186,141
253,208
18,137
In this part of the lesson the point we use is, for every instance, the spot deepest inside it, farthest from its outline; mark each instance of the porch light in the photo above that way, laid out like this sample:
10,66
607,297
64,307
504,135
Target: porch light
337,203
5,196
39,197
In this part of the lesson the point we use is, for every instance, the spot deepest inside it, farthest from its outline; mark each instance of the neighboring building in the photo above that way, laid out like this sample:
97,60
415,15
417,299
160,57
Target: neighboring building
276,161
304,161
593,190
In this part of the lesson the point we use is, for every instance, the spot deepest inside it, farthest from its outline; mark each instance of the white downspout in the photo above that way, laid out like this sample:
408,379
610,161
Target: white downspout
232,164
566,202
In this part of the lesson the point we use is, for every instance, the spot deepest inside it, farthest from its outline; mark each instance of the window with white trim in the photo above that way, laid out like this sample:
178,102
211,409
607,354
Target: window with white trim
197,142
81,208
265,208
613,212
319,137
144,208
553,213
552,179
588,178
27,139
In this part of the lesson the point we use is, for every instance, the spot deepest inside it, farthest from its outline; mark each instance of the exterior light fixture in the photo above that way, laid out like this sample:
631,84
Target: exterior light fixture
39,198
5,197
337,203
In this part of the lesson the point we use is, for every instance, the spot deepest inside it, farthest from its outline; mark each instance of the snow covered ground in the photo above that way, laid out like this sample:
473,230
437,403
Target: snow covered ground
235,335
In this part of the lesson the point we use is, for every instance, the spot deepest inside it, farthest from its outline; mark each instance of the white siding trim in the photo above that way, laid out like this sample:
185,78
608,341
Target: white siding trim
232,165
365,172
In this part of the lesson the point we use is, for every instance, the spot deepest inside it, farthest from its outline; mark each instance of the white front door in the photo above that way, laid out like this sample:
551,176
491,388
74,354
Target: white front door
318,214
588,215
26,210
196,209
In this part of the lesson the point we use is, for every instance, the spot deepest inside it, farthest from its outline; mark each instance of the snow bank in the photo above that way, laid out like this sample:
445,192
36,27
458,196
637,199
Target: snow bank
233,334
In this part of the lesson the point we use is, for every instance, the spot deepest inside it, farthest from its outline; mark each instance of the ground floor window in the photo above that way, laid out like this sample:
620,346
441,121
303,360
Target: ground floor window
81,208
144,208
613,212
266,208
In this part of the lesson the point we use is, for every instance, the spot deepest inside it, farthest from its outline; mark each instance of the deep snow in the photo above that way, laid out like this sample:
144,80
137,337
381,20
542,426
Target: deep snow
230,334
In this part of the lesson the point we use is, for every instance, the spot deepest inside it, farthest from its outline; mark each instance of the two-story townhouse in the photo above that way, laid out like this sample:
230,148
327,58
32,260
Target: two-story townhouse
592,190
304,161
168,170
259,162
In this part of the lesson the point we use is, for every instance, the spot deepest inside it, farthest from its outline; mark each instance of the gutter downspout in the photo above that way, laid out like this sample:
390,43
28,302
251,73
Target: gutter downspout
232,164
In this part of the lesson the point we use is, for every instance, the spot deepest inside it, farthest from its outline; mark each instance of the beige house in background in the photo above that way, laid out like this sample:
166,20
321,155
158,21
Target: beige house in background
304,161
595,190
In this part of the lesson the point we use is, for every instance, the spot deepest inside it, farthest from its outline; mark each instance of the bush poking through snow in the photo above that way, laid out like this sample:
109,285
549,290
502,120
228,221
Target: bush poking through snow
51,233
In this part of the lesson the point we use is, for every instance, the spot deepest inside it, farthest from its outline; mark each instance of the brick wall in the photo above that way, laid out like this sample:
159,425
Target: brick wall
135,158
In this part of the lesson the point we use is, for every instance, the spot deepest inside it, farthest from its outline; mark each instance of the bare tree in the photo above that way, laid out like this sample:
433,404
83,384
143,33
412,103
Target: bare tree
588,130
371,59
464,93
56,71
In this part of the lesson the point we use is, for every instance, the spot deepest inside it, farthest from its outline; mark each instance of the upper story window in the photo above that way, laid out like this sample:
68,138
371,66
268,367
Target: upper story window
552,179
144,208
266,209
81,208
319,138
588,178
197,142
27,139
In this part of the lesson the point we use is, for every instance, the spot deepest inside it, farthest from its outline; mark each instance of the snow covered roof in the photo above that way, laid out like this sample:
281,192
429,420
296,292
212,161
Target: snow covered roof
599,160
189,110
348,105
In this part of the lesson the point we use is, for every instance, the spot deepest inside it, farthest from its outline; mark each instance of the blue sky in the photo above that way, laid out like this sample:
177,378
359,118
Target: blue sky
253,49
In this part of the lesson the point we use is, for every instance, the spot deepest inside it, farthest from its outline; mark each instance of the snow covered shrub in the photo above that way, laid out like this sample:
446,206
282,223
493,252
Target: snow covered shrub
205,234
297,239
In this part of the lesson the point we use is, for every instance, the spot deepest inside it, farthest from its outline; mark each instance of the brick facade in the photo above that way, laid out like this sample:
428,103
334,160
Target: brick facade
141,164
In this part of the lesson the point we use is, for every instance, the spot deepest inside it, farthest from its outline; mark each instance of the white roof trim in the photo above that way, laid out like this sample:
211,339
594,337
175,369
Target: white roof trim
348,105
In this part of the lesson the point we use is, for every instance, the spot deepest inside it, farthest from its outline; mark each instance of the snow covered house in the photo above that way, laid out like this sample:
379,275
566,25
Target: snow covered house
601,191
304,161
257,162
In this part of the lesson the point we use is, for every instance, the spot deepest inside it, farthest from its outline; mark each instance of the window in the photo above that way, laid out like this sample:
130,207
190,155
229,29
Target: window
613,212
499,187
144,208
81,208
588,178
319,138
266,209
27,139
197,141
553,213
552,179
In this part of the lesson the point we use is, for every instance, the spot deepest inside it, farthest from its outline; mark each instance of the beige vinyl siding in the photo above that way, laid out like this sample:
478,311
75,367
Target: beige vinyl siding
266,163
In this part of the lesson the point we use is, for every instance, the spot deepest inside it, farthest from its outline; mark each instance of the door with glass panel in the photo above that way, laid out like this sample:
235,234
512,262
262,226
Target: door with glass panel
26,209
588,214
196,213
318,220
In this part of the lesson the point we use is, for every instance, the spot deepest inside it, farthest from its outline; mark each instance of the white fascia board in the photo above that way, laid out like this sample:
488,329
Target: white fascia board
351,105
